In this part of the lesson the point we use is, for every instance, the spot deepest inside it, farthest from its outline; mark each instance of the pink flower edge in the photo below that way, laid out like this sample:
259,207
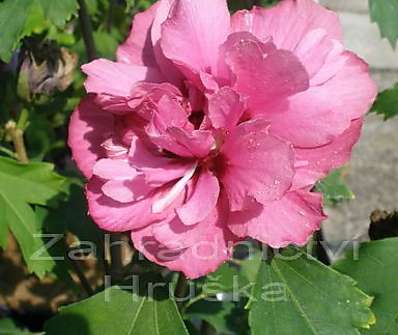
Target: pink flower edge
209,129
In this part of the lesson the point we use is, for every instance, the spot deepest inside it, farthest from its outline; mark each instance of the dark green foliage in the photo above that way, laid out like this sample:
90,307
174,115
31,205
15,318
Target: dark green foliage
387,103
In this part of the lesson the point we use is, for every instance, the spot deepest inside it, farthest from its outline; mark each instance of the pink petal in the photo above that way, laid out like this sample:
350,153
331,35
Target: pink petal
323,112
115,149
138,49
209,82
288,22
165,141
179,187
171,114
202,201
170,130
290,220
315,163
126,191
313,50
264,74
174,234
168,69
146,97
312,32
116,169
157,169
105,76
119,190
225,108
115,216
340,87
198,142
256,164
89,127
193,33
212,246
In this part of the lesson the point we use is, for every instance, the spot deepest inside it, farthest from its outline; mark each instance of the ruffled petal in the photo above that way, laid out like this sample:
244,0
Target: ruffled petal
166,66
171,130
211,245
117,79
315,163
198,142
158,170
256,164
290,220
138,49
126,191
341,89
114,82
193,33
116,169
225,108
263,73
288,22
202,201
323,112
115,216
89,127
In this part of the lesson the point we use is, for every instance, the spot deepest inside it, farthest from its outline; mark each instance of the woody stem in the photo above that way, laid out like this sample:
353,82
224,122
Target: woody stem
87,30
16,136
181,289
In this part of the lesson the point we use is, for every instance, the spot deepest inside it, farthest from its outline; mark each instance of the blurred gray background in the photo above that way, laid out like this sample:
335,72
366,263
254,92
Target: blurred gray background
373,171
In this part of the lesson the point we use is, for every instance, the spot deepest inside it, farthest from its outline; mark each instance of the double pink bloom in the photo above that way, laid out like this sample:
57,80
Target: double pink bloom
210,129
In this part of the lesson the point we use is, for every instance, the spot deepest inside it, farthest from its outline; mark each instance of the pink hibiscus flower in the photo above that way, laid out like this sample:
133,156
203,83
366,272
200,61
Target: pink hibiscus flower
209,129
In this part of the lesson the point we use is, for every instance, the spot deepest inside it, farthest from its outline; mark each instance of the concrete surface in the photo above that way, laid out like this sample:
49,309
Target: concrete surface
373,173
357,6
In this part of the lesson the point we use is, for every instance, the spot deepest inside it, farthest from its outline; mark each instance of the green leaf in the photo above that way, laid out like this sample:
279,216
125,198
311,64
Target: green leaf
3,229
386,103
35,183
249,267
376,270
8,327
221,280
215,313
36,21
20,18
119,312
72,216
22,186
385,14
298,292
334,188
59,12
106,43
13,17
130,5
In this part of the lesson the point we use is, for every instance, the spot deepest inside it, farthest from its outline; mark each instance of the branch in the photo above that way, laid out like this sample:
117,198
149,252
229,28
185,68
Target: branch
79,272
270,254
116,257
181,289
87,31
16,135
109,18
320,250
